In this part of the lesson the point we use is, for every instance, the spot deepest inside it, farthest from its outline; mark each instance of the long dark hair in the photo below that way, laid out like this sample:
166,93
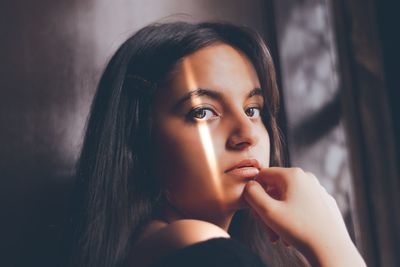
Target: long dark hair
115,197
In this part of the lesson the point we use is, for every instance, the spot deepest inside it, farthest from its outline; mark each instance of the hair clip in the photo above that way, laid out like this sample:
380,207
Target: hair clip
141,84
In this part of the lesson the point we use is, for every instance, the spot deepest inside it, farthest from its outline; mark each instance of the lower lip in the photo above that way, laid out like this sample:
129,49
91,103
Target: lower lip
245,172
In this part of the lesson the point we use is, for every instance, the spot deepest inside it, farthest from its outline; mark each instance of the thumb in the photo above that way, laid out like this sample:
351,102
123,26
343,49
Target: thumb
259,200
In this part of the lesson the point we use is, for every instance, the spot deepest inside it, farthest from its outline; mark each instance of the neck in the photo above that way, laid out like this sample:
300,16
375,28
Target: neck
169,214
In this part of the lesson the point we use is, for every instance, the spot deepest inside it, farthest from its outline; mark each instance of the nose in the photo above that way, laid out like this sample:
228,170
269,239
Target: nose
242,132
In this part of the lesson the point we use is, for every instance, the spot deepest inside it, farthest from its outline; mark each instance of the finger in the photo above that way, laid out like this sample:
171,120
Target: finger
274,176
271,175
274,192
312,176
259,200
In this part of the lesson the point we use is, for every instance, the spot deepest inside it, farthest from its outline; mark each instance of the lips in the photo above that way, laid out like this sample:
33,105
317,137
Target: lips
247,168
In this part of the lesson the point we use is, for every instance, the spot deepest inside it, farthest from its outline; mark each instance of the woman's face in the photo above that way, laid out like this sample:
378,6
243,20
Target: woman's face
206,122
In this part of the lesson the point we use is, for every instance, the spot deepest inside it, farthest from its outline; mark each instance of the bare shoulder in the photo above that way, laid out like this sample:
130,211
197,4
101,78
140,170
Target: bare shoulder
162,239
182,233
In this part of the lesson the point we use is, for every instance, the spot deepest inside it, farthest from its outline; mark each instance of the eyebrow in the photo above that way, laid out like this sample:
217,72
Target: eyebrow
212,94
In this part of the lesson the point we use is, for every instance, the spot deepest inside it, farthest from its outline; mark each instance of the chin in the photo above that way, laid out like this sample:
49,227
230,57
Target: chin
236,200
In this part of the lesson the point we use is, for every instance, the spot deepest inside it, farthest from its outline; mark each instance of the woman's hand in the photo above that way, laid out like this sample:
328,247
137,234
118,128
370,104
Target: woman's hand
295,207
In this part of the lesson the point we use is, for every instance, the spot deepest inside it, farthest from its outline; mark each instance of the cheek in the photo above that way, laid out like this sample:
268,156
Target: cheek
180,156
186,174
185,169
184,165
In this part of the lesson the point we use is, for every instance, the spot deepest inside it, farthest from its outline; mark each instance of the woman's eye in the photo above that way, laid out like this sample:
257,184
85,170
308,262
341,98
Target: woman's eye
202,114
253,112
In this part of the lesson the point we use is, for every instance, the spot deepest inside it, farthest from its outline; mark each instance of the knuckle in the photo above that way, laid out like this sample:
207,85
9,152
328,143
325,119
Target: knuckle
309,174
313,178
331,198
296,171
296,174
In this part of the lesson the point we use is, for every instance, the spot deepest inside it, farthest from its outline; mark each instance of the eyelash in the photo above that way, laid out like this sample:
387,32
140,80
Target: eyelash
192,113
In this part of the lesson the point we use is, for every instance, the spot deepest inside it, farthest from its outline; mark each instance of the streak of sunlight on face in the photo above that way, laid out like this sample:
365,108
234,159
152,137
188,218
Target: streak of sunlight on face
205,135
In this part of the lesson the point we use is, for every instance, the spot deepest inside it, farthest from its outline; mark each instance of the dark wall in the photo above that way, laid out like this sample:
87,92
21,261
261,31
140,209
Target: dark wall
37,102
51,56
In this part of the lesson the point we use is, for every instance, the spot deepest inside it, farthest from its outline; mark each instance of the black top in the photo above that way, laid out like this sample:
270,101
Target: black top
213,252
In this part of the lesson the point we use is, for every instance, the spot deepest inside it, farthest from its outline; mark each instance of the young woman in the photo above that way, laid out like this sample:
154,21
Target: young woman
181,163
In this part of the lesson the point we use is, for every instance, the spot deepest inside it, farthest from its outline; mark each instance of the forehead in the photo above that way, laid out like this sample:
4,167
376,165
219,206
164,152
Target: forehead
218,67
